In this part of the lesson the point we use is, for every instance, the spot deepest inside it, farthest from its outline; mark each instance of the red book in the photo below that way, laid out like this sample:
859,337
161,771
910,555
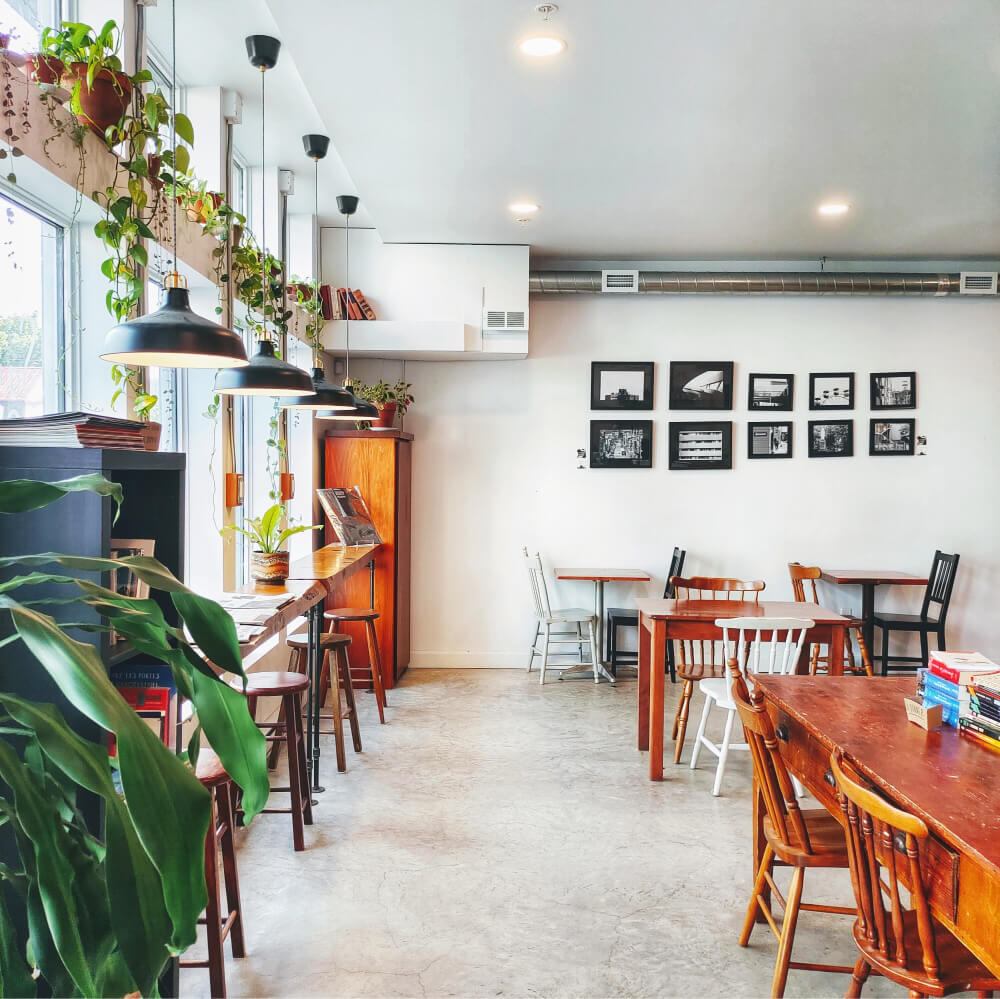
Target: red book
960,667
326,298
366,309
354,309
342,303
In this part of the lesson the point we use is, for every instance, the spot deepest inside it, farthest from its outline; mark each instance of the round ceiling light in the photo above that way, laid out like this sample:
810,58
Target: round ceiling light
523,207
542,45
833,208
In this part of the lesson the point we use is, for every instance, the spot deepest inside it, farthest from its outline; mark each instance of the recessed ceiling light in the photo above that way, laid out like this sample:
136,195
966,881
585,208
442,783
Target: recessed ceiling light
834,208
542,45
523,207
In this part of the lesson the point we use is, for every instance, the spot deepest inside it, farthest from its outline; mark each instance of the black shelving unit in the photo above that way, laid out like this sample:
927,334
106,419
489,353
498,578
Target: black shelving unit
153,486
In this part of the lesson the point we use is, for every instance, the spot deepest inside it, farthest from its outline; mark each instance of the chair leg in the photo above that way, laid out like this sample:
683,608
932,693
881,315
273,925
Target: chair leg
213,917
594,657
885,652
545,654
580,644
696,751
344,668
534,643
670,661
849,653
296,771
924,649
375,661
611,642
682,719
858,978
866,660
942,645
338,721
224,803
724,753
787,933
750,920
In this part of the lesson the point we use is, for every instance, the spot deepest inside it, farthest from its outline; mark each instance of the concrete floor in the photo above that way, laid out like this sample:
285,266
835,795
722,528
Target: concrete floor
497,838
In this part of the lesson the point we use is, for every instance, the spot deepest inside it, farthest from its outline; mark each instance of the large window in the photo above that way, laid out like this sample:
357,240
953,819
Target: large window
24,19
32,361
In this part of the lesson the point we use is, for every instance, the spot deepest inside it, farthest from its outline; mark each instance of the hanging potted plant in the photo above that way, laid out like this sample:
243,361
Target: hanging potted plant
48,64
390,401
100,90
268,564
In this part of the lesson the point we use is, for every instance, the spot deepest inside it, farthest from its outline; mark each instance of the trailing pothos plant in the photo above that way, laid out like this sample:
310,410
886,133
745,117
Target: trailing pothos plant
106,908
125,377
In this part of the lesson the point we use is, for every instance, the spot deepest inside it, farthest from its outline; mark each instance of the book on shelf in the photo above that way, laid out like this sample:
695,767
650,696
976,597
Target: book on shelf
341,303
327,309
363,304
150,689
77,429
960,667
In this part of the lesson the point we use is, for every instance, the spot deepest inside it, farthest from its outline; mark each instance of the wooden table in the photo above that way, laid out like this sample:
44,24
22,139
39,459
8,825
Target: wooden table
599,577
309,583
950,782
670,619
868,579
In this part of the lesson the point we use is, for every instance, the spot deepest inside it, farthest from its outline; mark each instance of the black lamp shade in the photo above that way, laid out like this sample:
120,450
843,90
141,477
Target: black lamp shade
265,375
326,396
363,411
262,51
174,337
347,204
316,146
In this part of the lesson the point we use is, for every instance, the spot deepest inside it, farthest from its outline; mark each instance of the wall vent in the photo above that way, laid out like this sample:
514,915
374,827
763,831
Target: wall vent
626,282
504,320
978,283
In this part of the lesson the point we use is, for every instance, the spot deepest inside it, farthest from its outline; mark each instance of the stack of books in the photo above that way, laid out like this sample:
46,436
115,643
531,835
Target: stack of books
352,304
961,682
981,722
73,430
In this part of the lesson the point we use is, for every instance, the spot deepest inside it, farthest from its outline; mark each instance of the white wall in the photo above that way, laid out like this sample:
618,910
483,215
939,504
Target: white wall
495,464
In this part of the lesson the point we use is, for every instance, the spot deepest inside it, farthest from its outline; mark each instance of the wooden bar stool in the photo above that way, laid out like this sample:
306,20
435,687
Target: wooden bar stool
334,645
220,833
342,615
287,729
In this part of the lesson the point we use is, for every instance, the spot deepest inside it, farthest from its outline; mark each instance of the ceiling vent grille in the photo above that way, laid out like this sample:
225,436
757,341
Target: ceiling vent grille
621,282
978,283
504,321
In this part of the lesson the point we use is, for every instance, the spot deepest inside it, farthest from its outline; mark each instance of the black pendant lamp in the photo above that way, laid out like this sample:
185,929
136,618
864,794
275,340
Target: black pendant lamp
362,409
174,336
266,374
327,395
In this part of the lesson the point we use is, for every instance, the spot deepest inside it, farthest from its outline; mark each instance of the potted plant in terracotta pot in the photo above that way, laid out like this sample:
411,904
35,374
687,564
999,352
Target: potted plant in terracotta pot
268,564
390,401
48,64
100,90
124,377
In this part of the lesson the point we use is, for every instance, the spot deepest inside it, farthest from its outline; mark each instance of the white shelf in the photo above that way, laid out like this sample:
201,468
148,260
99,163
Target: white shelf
422,341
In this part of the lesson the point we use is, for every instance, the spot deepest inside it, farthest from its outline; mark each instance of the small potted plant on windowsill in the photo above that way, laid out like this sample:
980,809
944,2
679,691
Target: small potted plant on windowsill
268,564
125,377
390,401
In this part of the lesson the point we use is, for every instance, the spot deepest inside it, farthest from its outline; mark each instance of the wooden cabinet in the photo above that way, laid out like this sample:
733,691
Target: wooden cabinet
378,463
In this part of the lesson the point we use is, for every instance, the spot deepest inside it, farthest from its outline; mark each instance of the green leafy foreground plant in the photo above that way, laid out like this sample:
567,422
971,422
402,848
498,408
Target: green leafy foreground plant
105,914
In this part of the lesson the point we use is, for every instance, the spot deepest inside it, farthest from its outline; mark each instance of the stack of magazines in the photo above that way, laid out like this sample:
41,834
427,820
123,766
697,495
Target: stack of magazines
73,430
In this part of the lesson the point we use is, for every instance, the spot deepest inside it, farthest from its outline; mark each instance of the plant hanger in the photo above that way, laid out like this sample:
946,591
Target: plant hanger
174,336
266,374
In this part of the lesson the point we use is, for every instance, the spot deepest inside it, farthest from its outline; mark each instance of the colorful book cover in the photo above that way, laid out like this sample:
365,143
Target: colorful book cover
960,667
150,689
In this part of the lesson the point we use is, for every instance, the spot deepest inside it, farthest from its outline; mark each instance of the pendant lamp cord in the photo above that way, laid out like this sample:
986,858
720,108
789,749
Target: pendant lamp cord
173,116
316,237
347,301
263,216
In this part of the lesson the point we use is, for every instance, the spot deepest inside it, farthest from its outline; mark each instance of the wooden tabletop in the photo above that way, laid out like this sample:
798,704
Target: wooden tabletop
873,576
333,560
302,594
605,575
950,782
709,610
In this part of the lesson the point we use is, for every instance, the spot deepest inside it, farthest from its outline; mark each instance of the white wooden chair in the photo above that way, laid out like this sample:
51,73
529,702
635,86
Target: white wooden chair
745,647
545,617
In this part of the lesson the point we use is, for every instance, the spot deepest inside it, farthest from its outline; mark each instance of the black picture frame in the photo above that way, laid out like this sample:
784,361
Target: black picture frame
625,398
694,385
770,398
826,390
880,437
769,440
602,441
893,390
701,445
841,444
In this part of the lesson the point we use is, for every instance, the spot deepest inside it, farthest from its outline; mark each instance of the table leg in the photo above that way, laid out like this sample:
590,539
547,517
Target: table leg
867,615
835,667
314,664
598,669
657,650
645,641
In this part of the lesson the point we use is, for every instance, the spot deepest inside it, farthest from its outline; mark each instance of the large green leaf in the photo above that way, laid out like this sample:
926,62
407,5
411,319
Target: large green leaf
138,915
15,974
169,807
20,495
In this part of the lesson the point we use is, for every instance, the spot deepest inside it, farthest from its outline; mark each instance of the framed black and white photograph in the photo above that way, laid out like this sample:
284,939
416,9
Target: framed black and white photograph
891,437
832,391
701,445
621,443
621,385
831,438
772,392
701,384
894,390
769,440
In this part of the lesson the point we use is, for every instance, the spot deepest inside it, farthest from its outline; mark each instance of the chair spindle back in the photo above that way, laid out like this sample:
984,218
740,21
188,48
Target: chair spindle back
801,575
539,591
744,637
939,585
676,568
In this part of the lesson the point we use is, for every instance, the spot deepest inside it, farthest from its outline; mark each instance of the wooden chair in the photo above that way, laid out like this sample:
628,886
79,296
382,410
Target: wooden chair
628,617
806,575
549,619
220,834
333,646
797,838
940,583
742,639
906,944
344,615
697,659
